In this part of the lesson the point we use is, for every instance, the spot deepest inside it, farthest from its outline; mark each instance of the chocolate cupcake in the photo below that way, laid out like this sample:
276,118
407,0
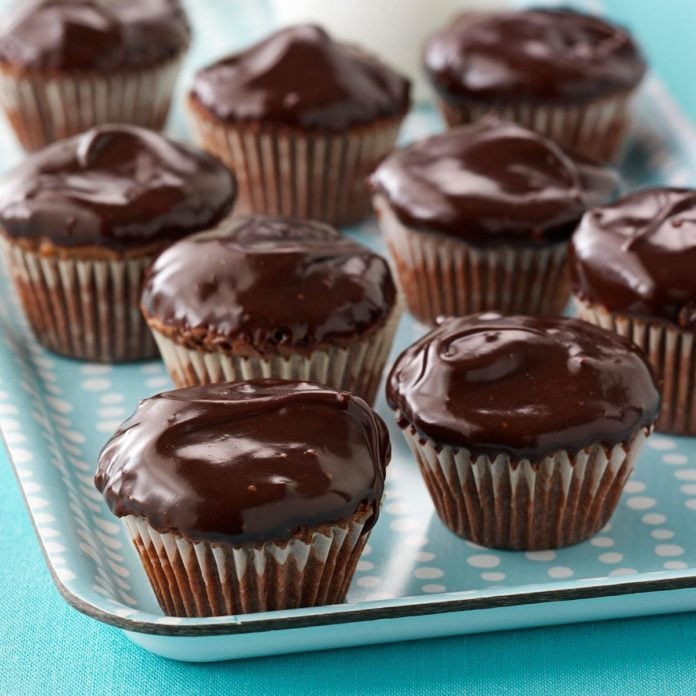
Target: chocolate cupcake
81,220
565,74
525,428
633,271
272,297
247,497
479,218
68,65
302,119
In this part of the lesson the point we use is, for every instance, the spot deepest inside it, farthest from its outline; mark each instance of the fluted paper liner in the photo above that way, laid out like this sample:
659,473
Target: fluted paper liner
561,500
83,308
199,578
442,276
671,352
356,368
595,130
318,176
43,108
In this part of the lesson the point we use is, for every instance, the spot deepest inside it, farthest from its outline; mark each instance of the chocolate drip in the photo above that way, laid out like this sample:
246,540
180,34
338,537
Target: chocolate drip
492,182
638,256
117,187
92,35
524,386
271,283
532,55
246,462
301,77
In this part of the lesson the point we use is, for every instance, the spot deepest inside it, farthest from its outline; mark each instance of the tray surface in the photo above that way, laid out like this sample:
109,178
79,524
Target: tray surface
55,414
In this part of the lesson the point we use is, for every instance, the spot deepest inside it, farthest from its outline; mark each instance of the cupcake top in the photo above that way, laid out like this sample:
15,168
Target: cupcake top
525,386
246,462
492,182
638,256
116,187
303,78
92,35
532,55
272,284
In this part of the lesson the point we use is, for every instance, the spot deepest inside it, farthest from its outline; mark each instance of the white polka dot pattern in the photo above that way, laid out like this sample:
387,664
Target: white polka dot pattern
433,588
560,572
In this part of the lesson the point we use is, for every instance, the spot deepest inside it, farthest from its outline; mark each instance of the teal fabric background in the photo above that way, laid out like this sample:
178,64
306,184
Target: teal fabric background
47,647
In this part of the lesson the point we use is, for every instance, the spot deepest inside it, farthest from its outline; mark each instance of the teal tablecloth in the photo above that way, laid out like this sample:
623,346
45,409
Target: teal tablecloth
48,648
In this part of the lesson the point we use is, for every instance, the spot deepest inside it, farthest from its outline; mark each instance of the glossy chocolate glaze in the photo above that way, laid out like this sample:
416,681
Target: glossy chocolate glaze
532,55
524,386
638,256
246,462
492,182
117,187
271,283
92,35
301,77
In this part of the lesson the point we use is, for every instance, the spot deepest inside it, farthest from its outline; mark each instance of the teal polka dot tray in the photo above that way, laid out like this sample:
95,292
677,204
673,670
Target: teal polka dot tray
415,579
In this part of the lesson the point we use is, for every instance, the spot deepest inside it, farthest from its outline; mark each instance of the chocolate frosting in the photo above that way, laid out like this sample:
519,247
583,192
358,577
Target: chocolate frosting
301,77
532,55
246,462
272,283
524,386
492,182
92,35
638,256
117,187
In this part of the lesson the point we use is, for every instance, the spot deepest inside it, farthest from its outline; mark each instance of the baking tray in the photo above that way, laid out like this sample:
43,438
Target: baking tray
416,579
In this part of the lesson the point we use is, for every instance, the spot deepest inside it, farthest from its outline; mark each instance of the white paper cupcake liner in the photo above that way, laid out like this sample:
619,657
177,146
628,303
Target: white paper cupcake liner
441,276
83,308
595,130
215,579
43,108
356,368
561,500
671,352
297,174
